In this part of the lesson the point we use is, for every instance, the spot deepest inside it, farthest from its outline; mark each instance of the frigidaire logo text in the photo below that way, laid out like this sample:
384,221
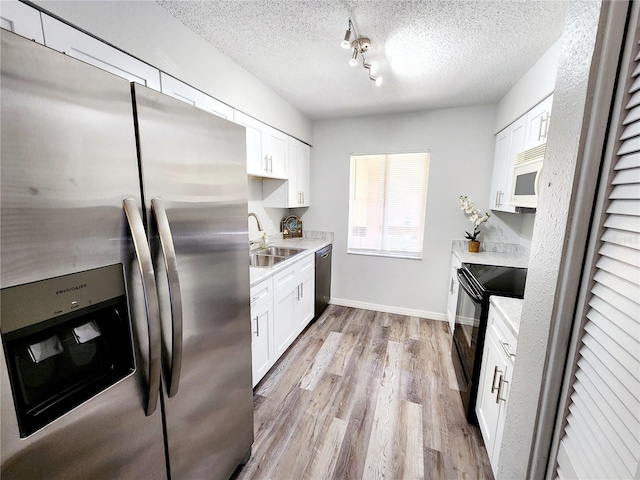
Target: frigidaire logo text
71,289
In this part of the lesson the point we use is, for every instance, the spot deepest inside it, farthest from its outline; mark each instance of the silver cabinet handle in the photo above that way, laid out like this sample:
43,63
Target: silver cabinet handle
499,389
266,163
505,347
544,126
499,395
497,194
302,290
298,292
493,382
257,332
152,307
175,296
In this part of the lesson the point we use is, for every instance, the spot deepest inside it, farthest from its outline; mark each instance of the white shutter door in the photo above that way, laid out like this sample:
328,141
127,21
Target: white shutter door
601,436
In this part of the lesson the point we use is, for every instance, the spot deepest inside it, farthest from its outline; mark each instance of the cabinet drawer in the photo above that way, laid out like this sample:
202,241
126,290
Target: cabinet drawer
303,267
503,336
261,292
285,280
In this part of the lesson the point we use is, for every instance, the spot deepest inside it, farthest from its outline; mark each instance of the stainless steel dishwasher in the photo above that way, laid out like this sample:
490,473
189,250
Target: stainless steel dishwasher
323,279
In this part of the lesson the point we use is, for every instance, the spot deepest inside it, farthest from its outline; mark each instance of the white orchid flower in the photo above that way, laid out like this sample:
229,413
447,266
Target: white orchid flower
470,208
473,218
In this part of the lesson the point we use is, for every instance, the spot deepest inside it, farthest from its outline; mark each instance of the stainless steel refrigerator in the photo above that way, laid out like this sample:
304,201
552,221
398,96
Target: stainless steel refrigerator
124,278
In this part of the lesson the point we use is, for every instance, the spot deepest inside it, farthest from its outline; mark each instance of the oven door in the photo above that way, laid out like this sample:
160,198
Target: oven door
465,334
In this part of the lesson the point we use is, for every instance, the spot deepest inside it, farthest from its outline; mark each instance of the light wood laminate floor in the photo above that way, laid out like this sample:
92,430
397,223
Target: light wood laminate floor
362,395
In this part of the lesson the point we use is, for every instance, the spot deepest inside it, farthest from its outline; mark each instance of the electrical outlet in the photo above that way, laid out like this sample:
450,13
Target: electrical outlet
270,224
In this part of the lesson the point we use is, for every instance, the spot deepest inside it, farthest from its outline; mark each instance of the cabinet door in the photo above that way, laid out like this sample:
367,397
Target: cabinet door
488,404
538,119
275,144
180,90
509,142
284,324
293,191
76,44
21,19
256,161
262,350
304,174
452,299
306,300
500,167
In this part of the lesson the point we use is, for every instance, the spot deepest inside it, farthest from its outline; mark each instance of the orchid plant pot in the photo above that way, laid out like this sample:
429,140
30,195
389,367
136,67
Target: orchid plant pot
474,246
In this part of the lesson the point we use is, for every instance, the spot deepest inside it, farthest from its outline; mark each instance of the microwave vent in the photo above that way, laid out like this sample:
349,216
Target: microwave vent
534,153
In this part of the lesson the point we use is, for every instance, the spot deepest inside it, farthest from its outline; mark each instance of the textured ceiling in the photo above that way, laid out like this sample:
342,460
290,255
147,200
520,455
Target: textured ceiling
431,54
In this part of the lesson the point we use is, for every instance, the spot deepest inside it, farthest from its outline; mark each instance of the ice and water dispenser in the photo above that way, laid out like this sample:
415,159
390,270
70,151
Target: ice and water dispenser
65,340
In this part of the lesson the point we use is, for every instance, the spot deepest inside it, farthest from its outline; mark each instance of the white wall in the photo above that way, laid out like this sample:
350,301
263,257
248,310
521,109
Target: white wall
147,31
548,246
535,85
461,143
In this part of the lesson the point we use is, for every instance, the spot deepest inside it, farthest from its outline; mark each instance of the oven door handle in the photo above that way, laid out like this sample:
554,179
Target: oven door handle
464,282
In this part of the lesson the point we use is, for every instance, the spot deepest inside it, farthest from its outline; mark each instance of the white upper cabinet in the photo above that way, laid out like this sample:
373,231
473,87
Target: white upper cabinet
303,175
21,19
537,128
527,132
180,90
509,142
295,191
256,163
74,43
266,148
275,148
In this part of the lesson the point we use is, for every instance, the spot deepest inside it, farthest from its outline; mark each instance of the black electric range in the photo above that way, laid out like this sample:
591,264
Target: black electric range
477,284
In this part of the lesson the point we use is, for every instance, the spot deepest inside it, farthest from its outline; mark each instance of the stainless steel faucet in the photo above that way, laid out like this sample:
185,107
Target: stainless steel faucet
251,214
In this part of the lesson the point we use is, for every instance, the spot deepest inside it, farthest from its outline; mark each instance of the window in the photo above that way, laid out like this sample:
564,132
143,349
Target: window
387,204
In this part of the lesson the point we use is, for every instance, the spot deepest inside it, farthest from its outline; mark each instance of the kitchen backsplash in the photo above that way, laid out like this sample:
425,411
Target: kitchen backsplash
511,248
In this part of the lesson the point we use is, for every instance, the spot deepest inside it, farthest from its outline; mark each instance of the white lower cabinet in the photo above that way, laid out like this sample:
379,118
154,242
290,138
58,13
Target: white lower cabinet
452,297
294,302
494,384
306,299
262,351
281,307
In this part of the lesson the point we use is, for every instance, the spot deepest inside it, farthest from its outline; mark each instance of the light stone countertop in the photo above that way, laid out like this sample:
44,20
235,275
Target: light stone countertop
311,244
511,310
504,255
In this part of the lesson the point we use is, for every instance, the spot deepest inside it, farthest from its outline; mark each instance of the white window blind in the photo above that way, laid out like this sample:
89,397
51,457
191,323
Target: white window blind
601,437
387,204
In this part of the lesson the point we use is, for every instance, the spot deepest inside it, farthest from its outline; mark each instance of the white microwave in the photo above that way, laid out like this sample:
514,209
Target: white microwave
526,177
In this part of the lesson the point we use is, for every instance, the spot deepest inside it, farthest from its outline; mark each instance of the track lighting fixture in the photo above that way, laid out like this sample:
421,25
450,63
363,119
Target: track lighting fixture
360,45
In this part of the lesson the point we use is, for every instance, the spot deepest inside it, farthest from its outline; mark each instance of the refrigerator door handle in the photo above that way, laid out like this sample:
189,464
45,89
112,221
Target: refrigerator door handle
152,306
175,297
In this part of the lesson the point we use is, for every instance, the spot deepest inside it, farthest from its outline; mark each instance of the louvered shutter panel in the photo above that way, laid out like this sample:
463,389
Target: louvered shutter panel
601,438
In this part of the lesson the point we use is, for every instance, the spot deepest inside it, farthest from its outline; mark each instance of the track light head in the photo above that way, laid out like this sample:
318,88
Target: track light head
347,37
354,59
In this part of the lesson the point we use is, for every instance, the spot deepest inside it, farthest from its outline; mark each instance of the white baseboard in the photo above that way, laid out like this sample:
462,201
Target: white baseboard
389,309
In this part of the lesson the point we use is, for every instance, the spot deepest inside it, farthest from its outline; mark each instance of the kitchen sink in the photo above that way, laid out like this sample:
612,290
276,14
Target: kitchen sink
280,251
261,260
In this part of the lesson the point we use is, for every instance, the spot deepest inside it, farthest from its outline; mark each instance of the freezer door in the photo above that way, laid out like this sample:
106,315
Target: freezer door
68,159
195,185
